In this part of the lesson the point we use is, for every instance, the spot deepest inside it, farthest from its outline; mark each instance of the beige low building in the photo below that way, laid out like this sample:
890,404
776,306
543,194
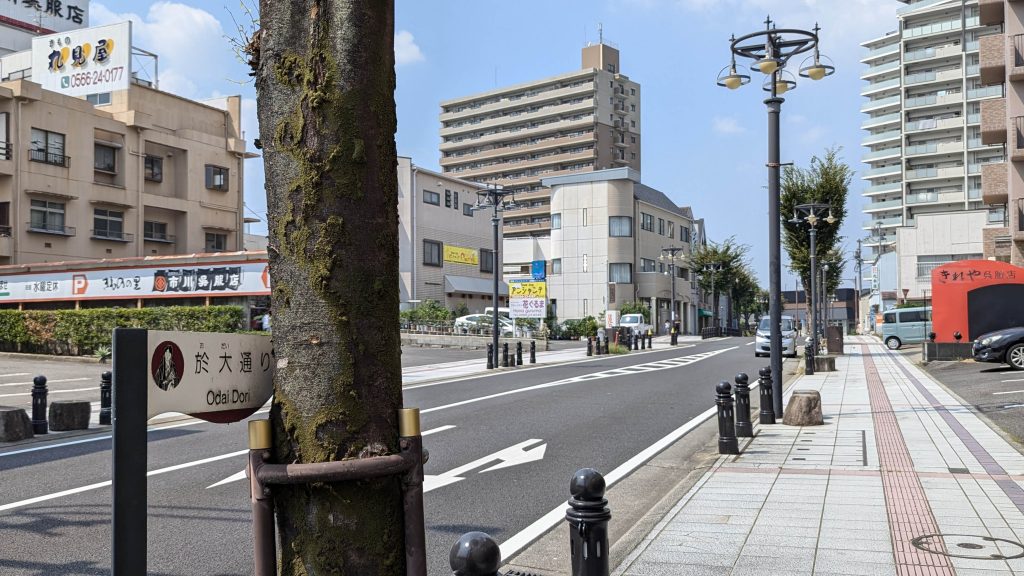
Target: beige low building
446,248
142,173
608,232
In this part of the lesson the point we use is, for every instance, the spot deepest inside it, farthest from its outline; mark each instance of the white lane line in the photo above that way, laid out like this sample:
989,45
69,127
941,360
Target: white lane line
749,344
1007,392
48,382
1014,380
14,374
241,475
80,489
595,376
50,392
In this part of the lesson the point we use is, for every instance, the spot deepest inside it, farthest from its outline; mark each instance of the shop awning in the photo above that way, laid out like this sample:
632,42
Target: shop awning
704,313
470,285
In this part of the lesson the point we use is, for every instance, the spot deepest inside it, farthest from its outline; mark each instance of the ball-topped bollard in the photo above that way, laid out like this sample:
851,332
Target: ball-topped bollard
475,554
957,336
931,336
727,443
588,517
765,385
744,427
39,423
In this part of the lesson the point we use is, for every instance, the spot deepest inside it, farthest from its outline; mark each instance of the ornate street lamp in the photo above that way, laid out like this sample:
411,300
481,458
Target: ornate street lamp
494,197
771,50
672,255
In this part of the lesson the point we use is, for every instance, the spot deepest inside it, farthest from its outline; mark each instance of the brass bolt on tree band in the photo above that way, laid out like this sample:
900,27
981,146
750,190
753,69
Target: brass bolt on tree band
408,422
259,435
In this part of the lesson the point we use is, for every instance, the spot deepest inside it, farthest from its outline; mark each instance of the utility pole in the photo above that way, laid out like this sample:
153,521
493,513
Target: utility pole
858,259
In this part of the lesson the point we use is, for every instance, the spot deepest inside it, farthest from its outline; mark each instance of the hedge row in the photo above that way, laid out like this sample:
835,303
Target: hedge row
77,332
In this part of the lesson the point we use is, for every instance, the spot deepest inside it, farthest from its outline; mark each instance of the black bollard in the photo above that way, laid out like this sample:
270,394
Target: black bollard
475,554
519,353
634,341
650,341
607,342
588,517
767,406
533,351
744,428
504,355
809,359
39,425
105,398
597,348
590,346
727,443
490,356
643,342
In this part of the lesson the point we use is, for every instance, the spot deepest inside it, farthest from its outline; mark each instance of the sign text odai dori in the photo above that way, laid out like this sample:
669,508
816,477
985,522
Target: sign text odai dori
212,376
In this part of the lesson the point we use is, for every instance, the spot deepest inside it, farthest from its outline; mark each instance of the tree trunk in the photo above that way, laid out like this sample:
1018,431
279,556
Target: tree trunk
325,98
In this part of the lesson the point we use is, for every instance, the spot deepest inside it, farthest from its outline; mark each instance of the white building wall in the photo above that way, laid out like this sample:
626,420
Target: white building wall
957,234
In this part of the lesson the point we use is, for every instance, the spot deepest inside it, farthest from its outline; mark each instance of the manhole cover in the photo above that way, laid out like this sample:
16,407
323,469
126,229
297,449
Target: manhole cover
969,546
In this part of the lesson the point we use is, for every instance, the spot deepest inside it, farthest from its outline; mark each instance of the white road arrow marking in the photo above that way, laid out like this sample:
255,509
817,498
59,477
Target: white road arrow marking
241,475
511,456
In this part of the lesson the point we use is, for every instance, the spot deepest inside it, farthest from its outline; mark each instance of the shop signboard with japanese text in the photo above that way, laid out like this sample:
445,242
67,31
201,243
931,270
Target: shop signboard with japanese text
227,279
527,298
212,376
460,255
85,61
48,15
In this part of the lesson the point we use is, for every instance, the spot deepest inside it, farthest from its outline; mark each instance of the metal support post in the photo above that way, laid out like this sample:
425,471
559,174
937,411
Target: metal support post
588,517
504,355
519,353
39,423
727,443
533,351
411,441
262,504
815,295
744,428
767,393
105,397
774,105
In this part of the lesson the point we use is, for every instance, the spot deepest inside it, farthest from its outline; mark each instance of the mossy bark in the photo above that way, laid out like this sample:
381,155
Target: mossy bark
325,97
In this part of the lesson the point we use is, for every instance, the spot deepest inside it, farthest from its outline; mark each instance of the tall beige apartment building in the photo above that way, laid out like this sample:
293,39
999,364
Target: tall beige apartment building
514,136
140,173
1002,122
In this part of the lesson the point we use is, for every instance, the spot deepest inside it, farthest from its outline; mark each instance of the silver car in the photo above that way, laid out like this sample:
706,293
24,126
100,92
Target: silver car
762,340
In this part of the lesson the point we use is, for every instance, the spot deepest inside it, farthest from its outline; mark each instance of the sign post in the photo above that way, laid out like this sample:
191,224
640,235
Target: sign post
211,376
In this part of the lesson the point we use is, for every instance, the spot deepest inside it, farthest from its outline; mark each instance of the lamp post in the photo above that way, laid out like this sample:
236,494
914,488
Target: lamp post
823,298
812,215
771,50
493,197
672,255
712,268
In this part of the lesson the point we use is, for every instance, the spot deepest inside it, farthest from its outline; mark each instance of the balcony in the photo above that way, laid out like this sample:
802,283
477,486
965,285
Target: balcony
933,100
986,92
112,235
934,124
925,77
49,158
933,173
884,136
883,222
993,121
6,245
892,170
993,59
884,205
48,228
934,148
1016,146
990,12
886,188
881,120
1015,64
877,86
880,103
993,183
159,237
933,52
880,154
893,48
879,69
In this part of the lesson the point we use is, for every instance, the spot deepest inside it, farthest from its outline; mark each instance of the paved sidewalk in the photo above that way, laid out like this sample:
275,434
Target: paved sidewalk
902,479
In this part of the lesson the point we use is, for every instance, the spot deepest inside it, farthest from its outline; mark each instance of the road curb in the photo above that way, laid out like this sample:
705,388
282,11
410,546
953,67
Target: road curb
54,357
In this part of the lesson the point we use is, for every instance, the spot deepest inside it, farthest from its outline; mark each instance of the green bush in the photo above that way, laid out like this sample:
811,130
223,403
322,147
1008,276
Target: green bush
636,307
583,328
428,311
85,331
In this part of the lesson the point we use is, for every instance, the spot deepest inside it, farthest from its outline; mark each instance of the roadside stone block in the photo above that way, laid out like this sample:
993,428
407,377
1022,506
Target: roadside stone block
14,424
69,415
824,364
803,409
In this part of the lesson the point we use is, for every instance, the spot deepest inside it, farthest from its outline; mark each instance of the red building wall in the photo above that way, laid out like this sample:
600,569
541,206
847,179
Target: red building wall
952,288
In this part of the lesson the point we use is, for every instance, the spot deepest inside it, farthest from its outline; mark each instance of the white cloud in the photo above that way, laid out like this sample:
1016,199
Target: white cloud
406,50
727,125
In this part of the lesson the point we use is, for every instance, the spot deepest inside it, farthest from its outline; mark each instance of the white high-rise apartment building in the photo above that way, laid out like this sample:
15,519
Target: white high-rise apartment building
924,146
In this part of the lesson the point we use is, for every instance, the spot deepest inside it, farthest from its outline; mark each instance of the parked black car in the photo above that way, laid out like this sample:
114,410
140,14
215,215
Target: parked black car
1002,346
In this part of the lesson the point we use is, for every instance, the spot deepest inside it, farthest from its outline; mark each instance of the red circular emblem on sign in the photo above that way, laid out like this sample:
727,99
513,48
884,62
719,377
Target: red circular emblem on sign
167,365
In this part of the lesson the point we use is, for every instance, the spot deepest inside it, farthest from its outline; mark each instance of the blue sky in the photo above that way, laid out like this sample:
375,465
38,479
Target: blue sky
704,146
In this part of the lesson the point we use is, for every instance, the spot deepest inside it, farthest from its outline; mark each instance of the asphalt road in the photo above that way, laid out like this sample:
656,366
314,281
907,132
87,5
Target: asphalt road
542,423
995,390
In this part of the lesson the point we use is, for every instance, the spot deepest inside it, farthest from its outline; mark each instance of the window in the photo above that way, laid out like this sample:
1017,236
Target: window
661,267
467,210
586,263
455,200
584,217
632,91
101,99
912,316
556,221
556,266
431,252
486,261
632,107
216,242
431,198
647,265
154,230
620,273
47,216
48,147
154,167
620,226
661,226
647,222
632,139
997,215
108,224
216,177
684,233
447,198
671,229
889,318
104,158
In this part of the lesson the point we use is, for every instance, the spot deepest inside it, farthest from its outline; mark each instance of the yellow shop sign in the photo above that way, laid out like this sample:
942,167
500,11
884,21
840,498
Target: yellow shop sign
459,255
